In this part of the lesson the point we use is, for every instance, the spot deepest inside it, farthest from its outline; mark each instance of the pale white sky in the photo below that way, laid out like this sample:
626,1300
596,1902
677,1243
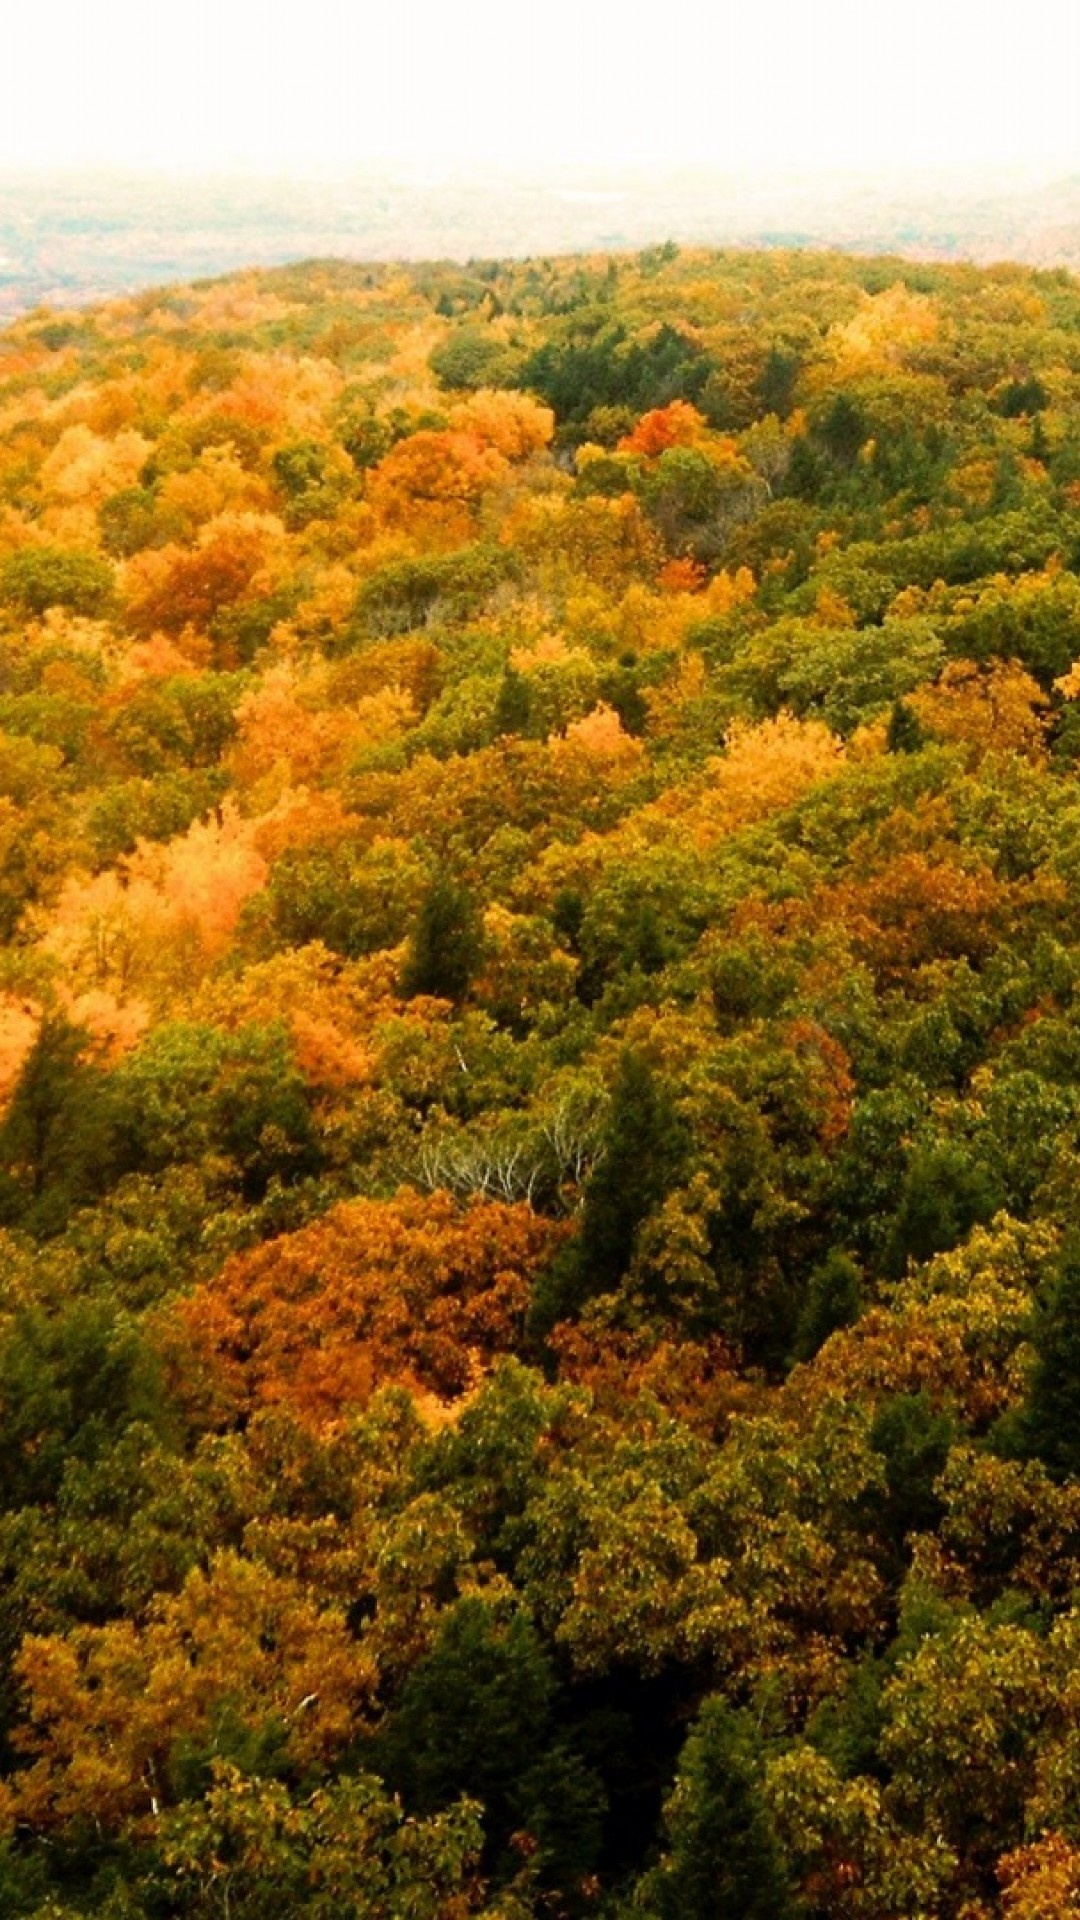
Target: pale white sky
761,85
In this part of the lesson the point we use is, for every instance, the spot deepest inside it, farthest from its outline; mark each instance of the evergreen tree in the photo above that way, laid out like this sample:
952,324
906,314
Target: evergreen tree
833,1300
58,1138
913,1439
642,1151
776,384
474,1712
905,733
843,429
723,1861
476,1717
945,1193
647,944
446,948
513,707
1039,444
1051,1422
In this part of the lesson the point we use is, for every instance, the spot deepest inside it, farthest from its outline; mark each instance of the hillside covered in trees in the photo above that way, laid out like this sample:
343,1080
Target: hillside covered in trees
540,1095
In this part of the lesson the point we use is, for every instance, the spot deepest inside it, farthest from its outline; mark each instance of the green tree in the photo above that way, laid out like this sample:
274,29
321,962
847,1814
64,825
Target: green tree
842,428
945,1193
70,1382
723,1861
477,1718
251,1851
470,356
905,733
913,1439
36,578
447,944
642,1151
1051,1419
833,1300
514,704
193,1093
58,1146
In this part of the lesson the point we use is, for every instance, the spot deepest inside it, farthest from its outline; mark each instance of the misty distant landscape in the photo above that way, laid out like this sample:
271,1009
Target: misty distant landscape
71,237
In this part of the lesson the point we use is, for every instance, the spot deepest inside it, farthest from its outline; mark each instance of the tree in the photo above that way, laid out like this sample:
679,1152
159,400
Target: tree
722,1860
71,1381
240,1664
413,1289
193,1092
235,557
1042,1881
447,944
513,707
913,1440
251,1849
946,1191
842,428
470,356
37,578
696,500
963,1714
833,1300
58,1141
476,1718
1051,1419
905,733
636,1168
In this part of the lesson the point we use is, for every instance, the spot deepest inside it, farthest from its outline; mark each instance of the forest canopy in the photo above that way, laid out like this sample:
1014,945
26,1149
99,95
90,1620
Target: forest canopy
540,1094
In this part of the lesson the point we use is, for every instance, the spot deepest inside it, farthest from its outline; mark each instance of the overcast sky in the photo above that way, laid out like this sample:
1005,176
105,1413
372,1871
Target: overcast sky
762,85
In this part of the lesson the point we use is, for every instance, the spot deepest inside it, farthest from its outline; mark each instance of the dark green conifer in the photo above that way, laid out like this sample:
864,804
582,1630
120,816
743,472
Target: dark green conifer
723,1860
776,384
1039,445
514,704
913,1438
946,1192
833,1300
637,1168
648,946
477,1717
905,733
1051,1421
57,1140
843,429
447,943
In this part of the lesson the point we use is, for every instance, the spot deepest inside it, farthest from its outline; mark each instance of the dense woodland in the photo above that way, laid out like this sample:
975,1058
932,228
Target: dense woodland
540,1076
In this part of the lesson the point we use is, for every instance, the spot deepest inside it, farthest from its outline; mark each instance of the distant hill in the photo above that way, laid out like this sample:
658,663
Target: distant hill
66,239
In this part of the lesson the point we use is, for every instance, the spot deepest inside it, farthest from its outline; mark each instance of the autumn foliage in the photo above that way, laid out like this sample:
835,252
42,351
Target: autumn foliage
539,1115
411,1291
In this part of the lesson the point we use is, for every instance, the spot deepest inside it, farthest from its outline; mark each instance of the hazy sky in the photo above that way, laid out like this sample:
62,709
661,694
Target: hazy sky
758,85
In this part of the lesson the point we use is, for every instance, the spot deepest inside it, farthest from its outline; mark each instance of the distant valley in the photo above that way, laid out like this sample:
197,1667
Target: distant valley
69,238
